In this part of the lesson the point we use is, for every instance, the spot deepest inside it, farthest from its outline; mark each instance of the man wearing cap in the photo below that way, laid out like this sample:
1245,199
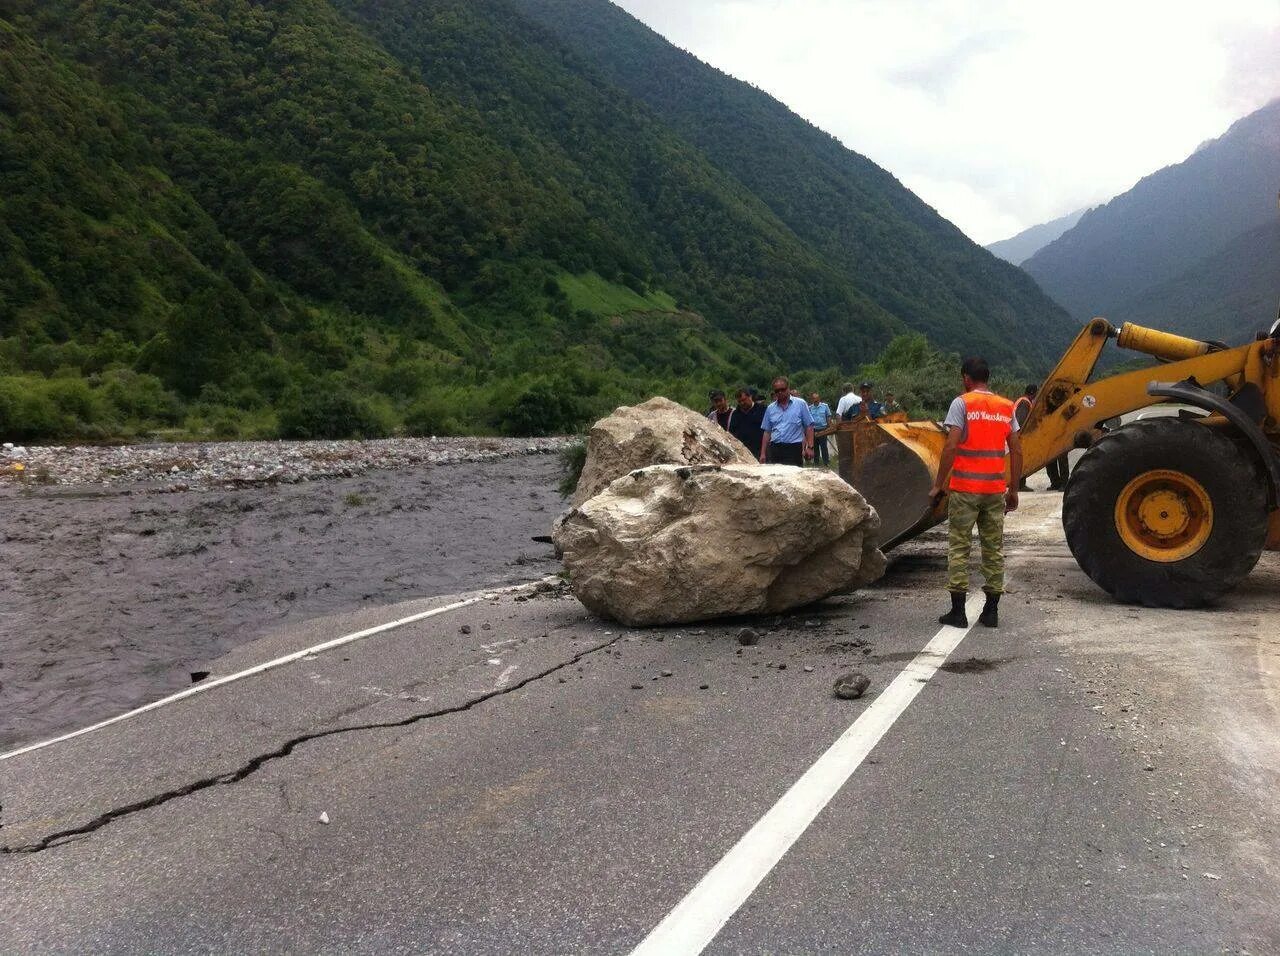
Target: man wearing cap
981,432
788,428
720,412
872,408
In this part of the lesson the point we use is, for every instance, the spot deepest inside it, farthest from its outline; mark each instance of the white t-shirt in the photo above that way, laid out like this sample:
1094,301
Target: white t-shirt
847,402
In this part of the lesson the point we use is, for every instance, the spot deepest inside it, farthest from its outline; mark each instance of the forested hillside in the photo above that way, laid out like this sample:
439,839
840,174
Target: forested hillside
1226,297
897,249
219,217
1167,249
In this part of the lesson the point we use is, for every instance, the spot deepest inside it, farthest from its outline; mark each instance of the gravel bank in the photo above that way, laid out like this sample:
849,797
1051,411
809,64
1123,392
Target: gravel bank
114,590
181,467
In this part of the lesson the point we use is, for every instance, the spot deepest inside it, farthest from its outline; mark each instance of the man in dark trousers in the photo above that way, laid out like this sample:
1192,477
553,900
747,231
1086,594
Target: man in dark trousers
981,433
788,428
1021,409
1057,469
746,421
820,412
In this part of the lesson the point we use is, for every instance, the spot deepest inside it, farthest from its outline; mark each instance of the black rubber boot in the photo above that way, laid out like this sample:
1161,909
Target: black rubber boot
990,615
956,617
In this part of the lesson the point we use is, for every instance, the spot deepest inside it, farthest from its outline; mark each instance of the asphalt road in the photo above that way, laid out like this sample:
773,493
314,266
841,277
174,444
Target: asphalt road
516,776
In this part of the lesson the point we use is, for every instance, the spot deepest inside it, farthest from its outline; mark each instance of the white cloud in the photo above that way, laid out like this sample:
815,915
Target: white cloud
999,113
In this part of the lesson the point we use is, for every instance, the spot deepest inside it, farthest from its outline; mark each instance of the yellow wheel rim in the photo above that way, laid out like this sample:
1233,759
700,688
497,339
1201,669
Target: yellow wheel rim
1164,515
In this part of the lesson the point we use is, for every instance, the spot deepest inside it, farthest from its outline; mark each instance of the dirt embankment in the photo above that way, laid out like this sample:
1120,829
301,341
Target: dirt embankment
112,595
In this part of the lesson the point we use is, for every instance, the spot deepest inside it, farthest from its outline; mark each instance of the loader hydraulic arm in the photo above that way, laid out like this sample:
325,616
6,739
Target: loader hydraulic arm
1069,407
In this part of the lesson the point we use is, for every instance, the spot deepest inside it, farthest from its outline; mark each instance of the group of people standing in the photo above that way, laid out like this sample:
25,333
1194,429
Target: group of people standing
982,447
784,432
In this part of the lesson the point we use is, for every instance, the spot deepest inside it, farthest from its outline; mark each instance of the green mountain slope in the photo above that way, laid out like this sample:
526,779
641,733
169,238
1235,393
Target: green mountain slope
1226,297
308,217
894,247
1167,225
708,239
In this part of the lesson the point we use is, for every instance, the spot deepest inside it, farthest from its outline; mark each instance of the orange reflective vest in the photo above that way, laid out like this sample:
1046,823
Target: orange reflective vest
979,465
1019,405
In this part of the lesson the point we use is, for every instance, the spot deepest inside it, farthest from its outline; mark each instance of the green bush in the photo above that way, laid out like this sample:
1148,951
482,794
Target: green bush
139,397
27,413
435,415
573,458
544,408
331,412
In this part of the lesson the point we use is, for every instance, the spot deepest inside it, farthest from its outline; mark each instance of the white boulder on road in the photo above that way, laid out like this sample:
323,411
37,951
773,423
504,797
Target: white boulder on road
671,544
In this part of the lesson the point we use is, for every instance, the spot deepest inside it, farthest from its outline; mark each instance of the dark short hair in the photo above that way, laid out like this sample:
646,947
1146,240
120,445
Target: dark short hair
780,378
976,368
1032,388
743,390
716,394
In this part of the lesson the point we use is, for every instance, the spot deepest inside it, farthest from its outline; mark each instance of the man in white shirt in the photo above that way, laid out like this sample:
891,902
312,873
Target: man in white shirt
849,405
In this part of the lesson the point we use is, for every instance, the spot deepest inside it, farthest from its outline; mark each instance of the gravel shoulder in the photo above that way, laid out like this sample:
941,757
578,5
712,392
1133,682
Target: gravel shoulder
117,586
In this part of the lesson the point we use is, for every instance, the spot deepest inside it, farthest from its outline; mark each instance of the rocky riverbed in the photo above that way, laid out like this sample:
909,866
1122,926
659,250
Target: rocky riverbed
181,467
121,576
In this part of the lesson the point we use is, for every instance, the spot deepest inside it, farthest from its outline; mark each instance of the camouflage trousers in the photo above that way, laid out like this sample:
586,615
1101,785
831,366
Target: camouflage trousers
964,510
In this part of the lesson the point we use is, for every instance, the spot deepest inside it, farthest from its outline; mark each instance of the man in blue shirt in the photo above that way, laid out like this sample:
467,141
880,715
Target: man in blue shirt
870,406
788,429
821,414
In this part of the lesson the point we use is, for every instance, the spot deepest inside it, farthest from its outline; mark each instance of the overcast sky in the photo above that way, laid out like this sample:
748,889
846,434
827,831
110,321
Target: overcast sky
999,113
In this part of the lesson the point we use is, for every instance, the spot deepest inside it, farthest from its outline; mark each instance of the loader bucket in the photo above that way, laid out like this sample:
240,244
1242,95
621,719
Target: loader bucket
893,467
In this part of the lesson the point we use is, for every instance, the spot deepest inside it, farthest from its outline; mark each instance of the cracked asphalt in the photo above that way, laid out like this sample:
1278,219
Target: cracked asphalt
517,776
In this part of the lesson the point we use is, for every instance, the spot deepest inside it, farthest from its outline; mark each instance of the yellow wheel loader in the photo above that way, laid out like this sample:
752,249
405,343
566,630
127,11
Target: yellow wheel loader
1171,510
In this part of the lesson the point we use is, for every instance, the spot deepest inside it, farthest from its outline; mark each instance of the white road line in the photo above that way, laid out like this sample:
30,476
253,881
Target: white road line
701,915
268,665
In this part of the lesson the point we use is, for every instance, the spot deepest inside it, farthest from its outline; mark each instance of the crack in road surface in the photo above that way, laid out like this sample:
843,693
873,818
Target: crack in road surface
62,837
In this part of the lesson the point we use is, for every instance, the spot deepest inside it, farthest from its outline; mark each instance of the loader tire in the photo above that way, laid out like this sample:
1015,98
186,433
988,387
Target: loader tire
1165,513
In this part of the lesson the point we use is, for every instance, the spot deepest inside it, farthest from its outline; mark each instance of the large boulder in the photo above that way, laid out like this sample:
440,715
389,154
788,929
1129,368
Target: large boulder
670,544
656,432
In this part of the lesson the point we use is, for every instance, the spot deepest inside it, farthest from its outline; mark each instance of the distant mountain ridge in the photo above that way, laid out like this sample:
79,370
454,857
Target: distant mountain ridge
1017,249
1135,253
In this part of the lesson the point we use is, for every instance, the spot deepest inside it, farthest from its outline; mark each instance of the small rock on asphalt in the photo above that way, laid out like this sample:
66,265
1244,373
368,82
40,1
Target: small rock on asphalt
747,636
465,629
324,817
851,686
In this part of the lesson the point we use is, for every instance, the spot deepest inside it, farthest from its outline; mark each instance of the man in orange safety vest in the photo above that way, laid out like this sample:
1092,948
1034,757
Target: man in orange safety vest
982,433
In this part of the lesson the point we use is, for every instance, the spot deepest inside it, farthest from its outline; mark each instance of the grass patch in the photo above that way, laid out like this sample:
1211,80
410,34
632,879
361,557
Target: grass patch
572,459
590,292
